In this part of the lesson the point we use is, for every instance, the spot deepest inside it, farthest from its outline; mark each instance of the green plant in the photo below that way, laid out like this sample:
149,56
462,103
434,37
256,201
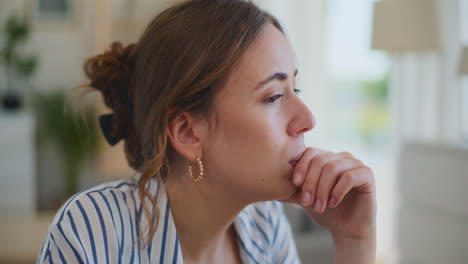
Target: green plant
375,115
376,90
76,137
17,66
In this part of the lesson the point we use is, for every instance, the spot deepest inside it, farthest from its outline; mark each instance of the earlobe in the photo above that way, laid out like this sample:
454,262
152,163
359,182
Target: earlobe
183,136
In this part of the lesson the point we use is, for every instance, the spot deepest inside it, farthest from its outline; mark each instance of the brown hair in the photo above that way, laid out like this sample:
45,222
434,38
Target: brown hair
180,62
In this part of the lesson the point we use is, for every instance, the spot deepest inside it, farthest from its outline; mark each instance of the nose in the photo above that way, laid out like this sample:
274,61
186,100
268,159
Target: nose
302,120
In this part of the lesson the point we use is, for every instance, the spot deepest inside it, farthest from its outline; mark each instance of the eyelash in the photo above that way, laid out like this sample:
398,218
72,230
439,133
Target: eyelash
275,97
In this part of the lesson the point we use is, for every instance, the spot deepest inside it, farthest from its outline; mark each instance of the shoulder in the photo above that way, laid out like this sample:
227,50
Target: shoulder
99,224
265,233
268,211
93,201
263,219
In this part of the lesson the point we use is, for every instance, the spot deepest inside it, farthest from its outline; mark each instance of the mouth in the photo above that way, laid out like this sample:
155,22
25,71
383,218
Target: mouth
293,163
296,159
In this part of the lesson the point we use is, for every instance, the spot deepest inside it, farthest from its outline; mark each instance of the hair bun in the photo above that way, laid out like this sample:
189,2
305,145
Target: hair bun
110,69
110,73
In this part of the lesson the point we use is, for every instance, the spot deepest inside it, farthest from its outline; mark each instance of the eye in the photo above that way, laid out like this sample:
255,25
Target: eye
272,99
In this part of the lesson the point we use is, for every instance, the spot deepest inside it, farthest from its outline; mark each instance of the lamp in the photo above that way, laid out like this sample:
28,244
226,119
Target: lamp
405,25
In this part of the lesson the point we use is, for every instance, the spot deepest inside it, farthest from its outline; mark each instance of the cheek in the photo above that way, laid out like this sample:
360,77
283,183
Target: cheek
253,135
250,151
251,157
250,144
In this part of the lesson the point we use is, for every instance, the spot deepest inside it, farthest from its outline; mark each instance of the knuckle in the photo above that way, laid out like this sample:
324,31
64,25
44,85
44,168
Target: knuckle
349,176
320,159
309,152
347,154
309,149
331,167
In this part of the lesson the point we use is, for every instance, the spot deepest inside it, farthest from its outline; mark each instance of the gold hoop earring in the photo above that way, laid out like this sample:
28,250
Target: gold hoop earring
200,168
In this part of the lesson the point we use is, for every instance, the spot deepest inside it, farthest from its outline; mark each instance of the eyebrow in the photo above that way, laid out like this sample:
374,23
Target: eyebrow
276,76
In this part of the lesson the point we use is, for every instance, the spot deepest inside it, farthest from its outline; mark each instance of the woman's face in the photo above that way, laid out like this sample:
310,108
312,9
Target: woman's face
261,123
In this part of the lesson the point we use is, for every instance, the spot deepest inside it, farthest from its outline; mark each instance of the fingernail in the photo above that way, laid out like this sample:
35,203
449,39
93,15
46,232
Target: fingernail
317,205
297,178
331,202
305,198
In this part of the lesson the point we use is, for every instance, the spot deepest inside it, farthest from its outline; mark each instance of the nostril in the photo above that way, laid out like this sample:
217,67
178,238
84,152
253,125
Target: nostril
304,130
301,123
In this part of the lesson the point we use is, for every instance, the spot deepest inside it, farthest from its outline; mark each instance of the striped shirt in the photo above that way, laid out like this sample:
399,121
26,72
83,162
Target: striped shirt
100,225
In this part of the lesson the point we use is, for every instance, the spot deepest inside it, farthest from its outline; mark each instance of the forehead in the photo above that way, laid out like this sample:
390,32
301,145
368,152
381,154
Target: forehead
269,53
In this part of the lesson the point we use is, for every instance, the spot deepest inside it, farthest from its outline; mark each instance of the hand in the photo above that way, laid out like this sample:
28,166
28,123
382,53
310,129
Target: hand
338,191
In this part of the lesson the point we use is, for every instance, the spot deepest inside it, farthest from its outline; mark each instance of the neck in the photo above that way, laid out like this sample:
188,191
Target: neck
203,215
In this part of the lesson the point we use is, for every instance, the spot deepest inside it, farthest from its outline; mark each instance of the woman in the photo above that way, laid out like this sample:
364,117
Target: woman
206,104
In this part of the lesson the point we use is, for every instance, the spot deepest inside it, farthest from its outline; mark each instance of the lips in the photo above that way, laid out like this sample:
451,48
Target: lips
296,159
293,162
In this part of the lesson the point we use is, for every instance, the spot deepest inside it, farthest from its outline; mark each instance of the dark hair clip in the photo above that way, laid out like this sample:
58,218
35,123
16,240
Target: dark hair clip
107,122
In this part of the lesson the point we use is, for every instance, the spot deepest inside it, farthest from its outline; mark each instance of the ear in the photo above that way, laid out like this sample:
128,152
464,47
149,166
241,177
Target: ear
185,134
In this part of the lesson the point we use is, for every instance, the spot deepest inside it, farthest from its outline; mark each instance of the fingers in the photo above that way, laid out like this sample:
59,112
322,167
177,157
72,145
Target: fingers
302,167
326,177
359,178
310,185
328,163
331,174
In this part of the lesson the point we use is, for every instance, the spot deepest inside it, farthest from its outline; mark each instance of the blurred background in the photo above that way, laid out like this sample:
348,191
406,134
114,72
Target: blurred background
386,81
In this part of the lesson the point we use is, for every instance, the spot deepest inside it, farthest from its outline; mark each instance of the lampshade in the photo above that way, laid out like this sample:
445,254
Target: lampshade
463,70
405,25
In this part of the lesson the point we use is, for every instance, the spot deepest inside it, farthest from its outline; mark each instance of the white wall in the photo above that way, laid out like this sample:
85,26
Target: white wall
17,165
432,225
61,46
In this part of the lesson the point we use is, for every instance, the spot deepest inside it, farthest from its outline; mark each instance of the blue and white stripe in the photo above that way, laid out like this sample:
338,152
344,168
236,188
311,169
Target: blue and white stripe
99,225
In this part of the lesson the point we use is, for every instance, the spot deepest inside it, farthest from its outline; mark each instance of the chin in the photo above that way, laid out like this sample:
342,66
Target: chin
291,190
284,190
277,187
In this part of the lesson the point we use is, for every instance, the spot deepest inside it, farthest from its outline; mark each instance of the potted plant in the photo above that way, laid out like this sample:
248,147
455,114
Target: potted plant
75,134
18,67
